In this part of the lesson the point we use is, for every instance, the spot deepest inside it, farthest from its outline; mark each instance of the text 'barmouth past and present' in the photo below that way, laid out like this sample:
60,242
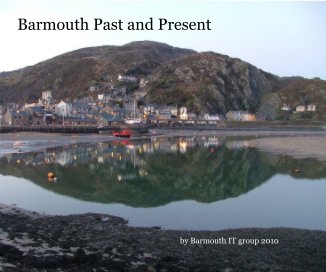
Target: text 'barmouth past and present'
100,24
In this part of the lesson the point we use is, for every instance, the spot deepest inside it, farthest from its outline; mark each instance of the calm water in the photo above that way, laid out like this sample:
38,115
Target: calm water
179,183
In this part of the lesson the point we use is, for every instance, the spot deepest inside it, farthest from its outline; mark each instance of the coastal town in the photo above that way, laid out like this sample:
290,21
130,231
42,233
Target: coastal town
117,107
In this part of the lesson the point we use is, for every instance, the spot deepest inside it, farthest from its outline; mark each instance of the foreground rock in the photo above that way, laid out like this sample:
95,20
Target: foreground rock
92,242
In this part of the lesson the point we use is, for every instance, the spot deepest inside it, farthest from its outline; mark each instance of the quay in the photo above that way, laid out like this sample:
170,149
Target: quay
50,129
144,128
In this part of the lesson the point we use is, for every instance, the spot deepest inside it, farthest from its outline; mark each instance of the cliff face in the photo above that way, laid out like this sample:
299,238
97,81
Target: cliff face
210,81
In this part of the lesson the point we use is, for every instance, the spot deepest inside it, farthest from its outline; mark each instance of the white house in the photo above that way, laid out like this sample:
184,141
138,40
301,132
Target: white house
46,99
240,116
285,107
47,95
63,109
127,78
183,113
148,110
208,117
311,107
174,111
93,88
300,108
32,105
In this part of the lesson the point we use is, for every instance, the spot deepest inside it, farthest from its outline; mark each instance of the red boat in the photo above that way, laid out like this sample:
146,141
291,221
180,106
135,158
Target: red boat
123,133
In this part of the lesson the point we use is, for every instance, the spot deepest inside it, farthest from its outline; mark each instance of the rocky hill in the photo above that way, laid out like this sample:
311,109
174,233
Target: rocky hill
203,82
211,82
215,83
70,75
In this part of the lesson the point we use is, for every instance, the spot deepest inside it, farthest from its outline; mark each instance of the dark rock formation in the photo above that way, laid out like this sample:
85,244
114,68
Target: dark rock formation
94,242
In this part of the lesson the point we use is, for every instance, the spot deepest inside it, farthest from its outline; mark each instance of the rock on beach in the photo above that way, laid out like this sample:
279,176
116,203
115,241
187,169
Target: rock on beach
95,242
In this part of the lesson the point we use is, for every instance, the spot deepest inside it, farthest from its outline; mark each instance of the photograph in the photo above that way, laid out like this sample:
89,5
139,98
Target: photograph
162,136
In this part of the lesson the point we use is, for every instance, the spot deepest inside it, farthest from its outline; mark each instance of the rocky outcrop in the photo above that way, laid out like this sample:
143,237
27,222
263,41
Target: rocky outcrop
93,242
211,82
71,74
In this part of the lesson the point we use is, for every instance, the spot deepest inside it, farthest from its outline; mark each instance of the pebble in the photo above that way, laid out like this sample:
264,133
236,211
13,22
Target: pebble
151,269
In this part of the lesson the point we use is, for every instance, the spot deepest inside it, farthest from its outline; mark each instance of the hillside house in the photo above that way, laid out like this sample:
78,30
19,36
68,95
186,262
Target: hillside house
148,110
63,109
27,106
122,113
209,119
100,97
46,95
46,98
48,118
16,118
142,83
300,108
127,78
285,107
94,88
163,114
311,107
105,119
9,117
192,116
240,116
80,109
174,111
182,113
249,117
36,111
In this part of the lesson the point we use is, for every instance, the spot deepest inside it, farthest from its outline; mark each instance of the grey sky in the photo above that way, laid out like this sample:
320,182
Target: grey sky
284,38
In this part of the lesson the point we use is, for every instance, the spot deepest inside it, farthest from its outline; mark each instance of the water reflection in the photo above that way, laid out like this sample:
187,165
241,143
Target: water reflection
155,172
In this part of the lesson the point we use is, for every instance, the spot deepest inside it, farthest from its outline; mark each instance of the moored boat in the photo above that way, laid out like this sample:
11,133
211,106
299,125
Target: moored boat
125,133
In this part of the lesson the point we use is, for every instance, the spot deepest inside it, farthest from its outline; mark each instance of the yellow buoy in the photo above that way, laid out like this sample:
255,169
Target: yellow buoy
50,175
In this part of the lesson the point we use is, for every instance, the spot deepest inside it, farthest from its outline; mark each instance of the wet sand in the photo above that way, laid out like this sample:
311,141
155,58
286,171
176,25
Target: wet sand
300,147
298,144
27,141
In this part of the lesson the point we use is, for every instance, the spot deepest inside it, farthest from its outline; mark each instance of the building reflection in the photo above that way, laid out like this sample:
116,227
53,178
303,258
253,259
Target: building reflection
115,152
155,171
117,155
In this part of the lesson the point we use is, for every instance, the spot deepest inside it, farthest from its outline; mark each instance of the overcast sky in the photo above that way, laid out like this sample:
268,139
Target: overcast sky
284,38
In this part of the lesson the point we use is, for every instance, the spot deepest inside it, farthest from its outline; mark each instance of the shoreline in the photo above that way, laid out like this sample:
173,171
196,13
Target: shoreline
38,242
33,242
297,144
